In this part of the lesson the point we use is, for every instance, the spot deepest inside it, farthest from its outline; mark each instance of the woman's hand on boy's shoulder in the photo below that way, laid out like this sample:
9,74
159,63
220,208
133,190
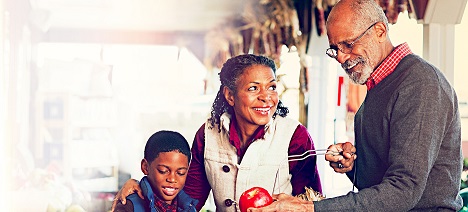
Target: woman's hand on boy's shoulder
120,207
131,186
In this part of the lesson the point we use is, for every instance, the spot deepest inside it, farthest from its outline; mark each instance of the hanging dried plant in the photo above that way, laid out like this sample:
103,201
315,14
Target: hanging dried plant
264,27
393,8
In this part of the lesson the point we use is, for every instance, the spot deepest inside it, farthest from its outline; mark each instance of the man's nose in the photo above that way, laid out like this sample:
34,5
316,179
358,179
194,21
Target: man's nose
341,57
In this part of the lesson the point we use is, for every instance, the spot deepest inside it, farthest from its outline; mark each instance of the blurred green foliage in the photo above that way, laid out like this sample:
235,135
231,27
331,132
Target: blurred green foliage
464,186
464,177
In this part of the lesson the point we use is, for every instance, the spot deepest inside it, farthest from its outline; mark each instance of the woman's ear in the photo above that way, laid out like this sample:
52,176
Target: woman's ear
228,95
145,166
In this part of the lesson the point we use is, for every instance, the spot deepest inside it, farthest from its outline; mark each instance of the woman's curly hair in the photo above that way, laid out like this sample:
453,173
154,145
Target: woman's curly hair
229,75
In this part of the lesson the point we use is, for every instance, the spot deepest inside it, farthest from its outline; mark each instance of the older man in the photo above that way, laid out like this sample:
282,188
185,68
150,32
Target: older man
407,154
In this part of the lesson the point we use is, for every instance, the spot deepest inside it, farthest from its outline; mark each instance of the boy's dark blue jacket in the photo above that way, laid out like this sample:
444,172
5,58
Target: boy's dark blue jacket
184,202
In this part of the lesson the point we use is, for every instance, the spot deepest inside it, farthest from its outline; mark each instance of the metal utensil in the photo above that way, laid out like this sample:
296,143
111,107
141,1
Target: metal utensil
313,152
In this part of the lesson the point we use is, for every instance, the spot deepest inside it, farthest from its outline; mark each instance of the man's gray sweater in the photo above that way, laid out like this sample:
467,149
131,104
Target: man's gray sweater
408,141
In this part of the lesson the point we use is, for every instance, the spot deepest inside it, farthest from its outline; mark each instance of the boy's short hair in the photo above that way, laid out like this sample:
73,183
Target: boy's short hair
166,141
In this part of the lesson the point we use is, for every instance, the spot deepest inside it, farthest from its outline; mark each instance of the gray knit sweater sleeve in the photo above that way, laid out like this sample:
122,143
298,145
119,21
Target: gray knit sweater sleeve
408,144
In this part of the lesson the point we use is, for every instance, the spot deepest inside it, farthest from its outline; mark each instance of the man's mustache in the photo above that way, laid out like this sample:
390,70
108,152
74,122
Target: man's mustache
350,63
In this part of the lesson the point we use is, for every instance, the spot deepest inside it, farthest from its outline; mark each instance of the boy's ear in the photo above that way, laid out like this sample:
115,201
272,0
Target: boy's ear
145,166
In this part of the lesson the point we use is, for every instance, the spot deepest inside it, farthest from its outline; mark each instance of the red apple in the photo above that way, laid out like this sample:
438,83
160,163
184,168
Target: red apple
254,197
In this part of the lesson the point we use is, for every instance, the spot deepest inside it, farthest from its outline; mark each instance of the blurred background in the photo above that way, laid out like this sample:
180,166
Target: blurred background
84,83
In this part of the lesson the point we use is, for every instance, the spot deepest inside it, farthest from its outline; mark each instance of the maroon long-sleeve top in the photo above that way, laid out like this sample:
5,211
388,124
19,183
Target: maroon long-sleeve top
304,173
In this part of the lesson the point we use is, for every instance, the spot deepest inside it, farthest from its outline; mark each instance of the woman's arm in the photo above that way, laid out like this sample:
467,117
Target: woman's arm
304,173
197,185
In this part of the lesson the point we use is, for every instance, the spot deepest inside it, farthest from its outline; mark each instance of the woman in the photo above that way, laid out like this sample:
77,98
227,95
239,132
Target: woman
247,140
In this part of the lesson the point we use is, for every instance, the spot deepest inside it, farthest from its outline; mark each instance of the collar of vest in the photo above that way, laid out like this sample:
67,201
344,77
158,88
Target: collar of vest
225,121
147,190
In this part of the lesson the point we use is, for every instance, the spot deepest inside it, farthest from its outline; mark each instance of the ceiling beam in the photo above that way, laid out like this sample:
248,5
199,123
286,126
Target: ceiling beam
120,36
194,41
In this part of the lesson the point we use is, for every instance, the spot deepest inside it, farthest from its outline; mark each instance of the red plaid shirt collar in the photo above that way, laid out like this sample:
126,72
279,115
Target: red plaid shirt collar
163,206
388,65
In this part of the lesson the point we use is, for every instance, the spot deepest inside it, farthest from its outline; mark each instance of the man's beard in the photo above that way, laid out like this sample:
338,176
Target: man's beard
357,76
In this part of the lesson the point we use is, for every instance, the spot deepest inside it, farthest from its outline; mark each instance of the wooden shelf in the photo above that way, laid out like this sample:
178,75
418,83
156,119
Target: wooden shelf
75,132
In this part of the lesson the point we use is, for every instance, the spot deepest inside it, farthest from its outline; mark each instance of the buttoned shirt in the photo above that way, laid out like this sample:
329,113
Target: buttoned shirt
163,206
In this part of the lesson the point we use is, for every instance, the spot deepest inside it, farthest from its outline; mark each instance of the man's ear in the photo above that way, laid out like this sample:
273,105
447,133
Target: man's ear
381,31
228,95
145,166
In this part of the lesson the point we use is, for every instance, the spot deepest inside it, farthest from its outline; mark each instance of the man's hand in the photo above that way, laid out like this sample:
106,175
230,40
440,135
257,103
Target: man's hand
130,187
344,161
285,202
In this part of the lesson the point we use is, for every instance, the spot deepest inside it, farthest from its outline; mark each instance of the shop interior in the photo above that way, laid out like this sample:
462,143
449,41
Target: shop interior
84,83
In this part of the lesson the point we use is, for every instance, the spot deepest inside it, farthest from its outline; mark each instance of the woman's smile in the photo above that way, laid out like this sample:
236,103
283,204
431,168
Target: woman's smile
263,110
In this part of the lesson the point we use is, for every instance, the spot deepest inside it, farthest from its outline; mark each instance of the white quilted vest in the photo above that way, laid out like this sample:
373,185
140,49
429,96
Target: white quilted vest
264,163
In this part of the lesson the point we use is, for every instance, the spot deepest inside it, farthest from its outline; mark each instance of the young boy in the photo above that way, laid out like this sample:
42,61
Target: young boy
165,164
